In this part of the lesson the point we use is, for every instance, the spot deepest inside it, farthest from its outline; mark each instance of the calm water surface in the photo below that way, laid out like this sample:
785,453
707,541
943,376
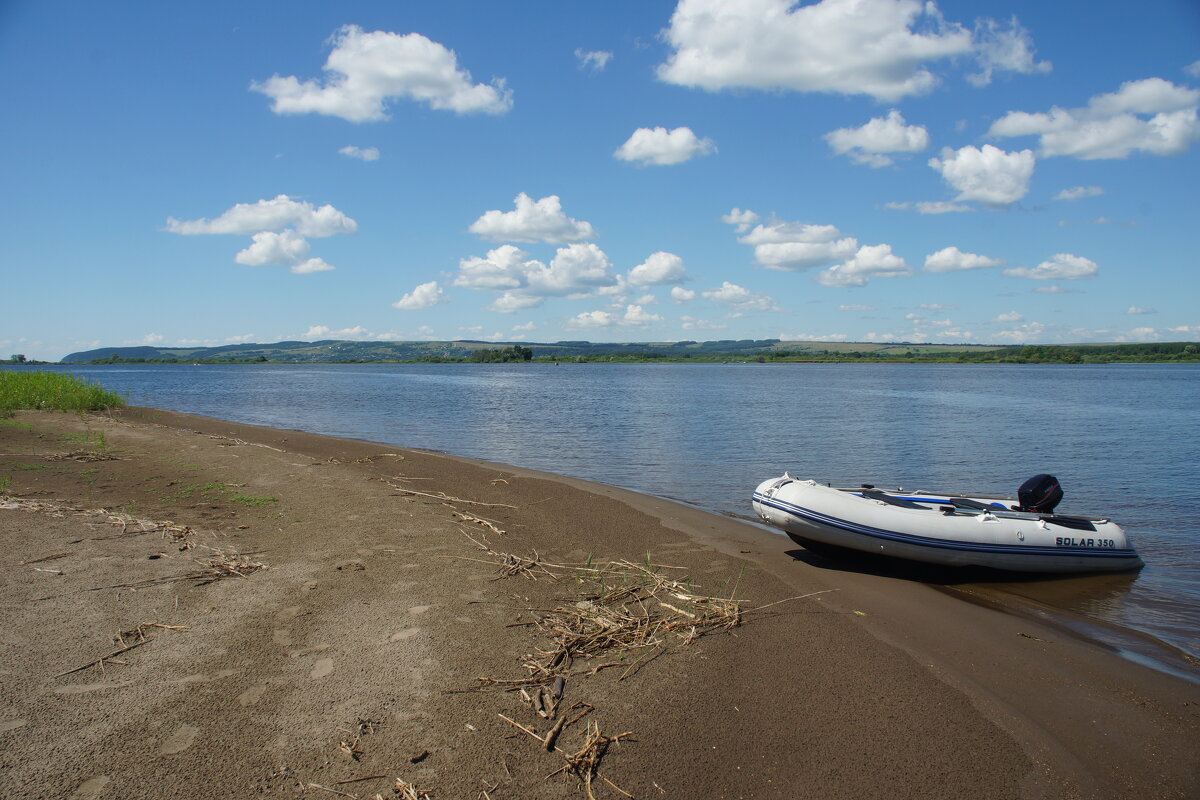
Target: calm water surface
1122,439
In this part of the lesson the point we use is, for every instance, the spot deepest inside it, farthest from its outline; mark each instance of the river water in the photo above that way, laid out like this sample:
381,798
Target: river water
1124,440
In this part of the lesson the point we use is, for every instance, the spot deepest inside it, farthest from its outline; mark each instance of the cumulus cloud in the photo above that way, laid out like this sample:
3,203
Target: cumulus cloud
424,296
741,298
1062,267
871,261
365,71
928,207
594,60
661,147
1005,47
277,228
855,307
1151,116
951,259
797,246
681,295
361,153
1140,310
855,47
657,269
632,316
576,269
1029,332
987,175
871,143
1079,192
1011,316
532,221
270,215
741,220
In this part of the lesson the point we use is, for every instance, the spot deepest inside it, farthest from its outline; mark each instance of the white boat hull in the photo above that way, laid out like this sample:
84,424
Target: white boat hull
943,529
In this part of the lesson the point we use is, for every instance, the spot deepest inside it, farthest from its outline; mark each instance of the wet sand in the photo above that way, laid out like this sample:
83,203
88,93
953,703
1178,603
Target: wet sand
355,652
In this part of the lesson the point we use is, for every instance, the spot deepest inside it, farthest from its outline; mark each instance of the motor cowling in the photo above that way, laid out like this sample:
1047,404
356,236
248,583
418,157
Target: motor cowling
1040,494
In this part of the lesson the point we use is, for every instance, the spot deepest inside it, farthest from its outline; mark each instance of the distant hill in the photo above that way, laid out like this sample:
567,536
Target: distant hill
335,351
331,350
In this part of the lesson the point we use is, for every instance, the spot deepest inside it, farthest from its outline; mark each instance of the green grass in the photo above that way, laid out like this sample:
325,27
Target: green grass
255,501
52,391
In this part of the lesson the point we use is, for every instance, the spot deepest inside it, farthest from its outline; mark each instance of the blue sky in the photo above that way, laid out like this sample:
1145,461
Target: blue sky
850,170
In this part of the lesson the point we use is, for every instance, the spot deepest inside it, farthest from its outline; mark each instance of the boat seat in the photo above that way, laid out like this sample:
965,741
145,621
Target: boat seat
892,501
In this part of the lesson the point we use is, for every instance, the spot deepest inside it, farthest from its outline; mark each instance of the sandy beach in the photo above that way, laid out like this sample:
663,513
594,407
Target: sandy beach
196,608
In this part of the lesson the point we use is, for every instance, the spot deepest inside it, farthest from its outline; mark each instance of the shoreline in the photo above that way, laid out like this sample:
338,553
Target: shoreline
867,686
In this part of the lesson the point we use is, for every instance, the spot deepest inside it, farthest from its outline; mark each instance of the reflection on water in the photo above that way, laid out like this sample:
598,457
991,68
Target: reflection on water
1121,438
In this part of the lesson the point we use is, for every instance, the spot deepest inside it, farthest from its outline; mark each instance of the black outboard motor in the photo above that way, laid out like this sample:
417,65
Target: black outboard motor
1040,494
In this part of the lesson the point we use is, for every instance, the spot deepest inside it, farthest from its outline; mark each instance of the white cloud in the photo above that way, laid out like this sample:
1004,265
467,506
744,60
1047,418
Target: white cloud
1079,192
693,324
361,153
1062,267
595,60
574,268
741,298
512,302
937,307
524,327
530,221
812,337
987,175
871,47
577,269
1011,316
365,71
657,269
1193,69
1001,47
928,207
269,248
633,316
270,215
1030,331
681,295
870,143
855,307
317,332
796,246
311,265
424,296
741,220
1140,310
951,259
871,261
1152,116
506,267
1053,289
661,147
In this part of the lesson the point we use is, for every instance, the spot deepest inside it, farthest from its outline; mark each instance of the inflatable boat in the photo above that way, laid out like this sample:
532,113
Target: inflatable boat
1023,535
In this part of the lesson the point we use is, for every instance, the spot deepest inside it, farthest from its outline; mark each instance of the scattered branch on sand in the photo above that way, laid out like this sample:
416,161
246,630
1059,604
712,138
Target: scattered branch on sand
409,791
99,662
584,763
84,456
230,441
47,558
509,564
487,523
445,498
138,632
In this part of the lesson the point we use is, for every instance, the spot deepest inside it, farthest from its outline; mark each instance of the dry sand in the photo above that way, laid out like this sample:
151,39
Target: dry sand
356,652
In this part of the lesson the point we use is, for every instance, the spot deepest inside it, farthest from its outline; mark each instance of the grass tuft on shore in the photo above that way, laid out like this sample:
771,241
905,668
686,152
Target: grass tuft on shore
55,391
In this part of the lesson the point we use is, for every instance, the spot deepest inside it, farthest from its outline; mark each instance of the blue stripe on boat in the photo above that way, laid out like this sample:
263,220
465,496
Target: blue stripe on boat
879,533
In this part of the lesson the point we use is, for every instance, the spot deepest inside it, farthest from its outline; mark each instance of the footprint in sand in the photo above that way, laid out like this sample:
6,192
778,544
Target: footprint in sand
252,695
91,789
11,724
180,740
418,609
322,668
407,633
281,636
291,612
